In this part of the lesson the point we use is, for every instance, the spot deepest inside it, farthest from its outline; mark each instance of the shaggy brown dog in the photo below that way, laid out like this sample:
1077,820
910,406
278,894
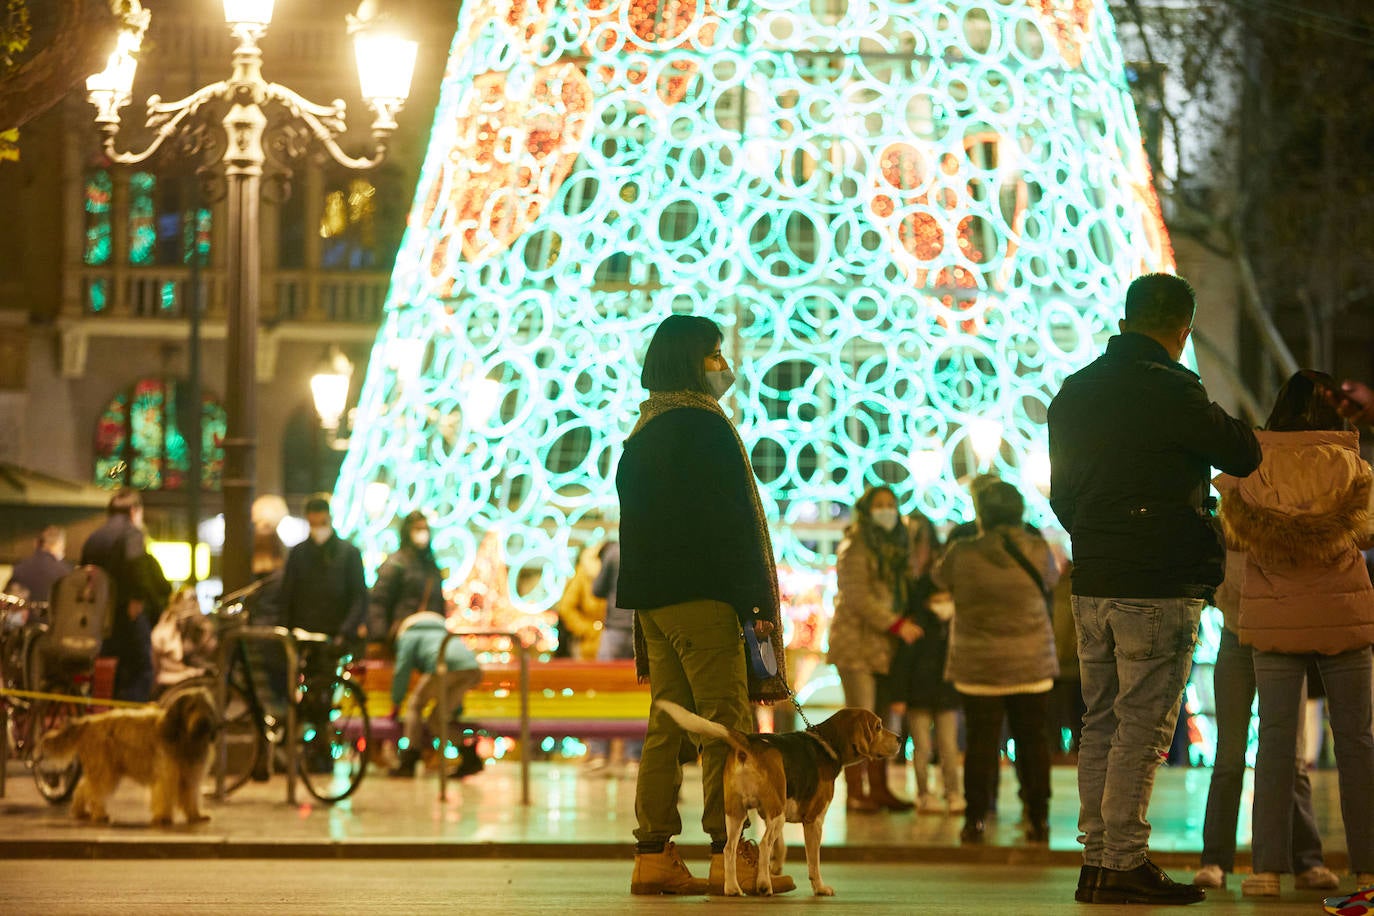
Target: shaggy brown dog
165,749
787,777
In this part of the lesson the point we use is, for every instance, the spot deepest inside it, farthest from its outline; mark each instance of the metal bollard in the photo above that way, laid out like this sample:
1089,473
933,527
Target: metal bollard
445,709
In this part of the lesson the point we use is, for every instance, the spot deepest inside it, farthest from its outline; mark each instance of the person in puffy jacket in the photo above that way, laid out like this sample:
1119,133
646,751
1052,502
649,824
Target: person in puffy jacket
1002,657
1306,596
409,580
870,603
418,638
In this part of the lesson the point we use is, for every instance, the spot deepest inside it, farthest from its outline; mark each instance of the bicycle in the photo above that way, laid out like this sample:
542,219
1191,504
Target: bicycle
333,730
23,625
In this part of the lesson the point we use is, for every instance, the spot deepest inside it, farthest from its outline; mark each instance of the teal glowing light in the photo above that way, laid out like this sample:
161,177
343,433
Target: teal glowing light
911,219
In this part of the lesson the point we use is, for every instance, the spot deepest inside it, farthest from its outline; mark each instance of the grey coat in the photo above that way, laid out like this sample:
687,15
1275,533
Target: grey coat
860,637
1001,635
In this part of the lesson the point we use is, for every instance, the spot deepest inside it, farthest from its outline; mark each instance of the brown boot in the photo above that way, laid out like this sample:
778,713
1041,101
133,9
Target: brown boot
856,796
879,792
664,873
746,870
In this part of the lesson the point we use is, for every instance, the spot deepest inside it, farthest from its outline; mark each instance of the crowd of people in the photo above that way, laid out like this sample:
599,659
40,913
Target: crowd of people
961,644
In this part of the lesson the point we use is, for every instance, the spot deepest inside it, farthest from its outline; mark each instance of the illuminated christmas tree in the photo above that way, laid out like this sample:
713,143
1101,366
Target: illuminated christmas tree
913,219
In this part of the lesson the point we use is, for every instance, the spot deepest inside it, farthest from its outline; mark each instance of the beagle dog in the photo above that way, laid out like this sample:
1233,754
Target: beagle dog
789,777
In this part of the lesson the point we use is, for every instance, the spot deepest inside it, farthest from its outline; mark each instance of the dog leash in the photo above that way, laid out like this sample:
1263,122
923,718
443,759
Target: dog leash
79,700
810,729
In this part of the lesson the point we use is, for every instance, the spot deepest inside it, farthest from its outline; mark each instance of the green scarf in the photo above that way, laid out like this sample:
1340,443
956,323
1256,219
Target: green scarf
761,691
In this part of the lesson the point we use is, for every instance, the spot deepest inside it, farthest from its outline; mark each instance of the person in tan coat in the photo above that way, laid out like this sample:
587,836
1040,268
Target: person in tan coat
870,570
583,614
1306,596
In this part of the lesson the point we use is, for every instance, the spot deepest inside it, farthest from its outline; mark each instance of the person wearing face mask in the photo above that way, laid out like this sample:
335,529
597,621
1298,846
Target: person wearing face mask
409,580
870,604
322,587
696,566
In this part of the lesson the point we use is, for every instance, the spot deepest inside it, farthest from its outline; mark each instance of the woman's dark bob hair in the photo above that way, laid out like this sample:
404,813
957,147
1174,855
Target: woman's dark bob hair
676,354
1302,404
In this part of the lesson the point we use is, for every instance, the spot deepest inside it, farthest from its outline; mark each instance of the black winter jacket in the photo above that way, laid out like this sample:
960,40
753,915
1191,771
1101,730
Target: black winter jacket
687,529
322,587
402,581
1133,439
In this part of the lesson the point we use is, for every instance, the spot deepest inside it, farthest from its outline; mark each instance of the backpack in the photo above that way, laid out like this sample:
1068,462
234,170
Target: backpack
79,617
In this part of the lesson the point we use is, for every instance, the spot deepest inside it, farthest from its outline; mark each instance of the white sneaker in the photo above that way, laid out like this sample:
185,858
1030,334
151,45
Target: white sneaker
929,804
1210,876
1261,884
1317,878
955,804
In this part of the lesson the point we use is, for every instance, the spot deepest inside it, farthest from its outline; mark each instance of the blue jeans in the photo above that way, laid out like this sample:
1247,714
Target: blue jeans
1134,655
1233,687
1280,678
617,644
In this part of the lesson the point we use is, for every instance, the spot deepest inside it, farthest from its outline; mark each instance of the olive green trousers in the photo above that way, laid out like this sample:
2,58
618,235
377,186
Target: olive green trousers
696,659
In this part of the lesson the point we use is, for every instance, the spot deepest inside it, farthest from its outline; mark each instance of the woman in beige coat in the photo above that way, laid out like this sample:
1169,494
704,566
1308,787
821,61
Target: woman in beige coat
583,614
1306,597
870,569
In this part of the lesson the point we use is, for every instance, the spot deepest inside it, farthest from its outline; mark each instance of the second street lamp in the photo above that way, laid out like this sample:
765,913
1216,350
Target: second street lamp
385,64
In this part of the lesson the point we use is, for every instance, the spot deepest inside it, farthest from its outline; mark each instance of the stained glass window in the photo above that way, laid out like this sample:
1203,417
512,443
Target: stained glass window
139,442
142,218
348,229
163,229
98,190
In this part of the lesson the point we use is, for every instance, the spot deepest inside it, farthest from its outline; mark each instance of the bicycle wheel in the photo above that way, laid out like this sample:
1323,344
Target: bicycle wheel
55,779
334,734
244,741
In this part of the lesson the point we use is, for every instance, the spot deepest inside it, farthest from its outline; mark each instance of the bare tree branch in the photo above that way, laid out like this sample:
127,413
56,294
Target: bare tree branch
78,37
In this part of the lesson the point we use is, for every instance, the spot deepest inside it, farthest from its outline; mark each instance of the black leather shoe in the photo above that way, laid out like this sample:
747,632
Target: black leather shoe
972,833
1038,832
1087,882
1147,884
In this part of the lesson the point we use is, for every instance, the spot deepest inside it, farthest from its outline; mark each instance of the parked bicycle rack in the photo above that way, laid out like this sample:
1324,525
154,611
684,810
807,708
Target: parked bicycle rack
441,672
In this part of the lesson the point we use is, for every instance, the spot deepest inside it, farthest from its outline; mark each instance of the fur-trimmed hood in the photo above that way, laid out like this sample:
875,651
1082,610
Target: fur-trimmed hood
1307,505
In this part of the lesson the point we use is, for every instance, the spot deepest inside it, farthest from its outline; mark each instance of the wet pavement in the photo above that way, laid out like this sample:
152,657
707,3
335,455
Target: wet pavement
576,815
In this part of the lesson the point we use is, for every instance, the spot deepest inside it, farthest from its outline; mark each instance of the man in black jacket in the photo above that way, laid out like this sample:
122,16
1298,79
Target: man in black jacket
1133,439
322,587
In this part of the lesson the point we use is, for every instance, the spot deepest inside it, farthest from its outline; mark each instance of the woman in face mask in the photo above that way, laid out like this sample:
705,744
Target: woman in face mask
871,573
408,581
696,566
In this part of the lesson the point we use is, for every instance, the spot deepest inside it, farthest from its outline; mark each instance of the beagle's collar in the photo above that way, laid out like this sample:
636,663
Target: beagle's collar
825,745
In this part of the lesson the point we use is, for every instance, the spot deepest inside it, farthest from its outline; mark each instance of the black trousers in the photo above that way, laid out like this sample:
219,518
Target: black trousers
1026,714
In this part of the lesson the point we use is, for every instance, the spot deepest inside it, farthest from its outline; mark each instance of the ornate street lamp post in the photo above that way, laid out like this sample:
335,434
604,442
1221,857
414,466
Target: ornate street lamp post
385,65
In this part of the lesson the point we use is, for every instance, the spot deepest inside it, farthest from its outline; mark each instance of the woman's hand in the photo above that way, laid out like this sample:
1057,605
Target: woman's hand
762,628
908,632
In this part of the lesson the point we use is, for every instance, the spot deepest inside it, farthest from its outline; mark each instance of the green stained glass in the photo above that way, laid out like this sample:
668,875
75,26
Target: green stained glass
97,294
99,188
142,219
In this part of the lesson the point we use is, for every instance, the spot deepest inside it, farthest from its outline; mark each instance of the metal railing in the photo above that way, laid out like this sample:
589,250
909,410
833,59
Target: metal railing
445,708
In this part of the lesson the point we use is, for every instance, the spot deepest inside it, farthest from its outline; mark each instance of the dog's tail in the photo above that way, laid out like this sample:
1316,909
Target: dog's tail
60,744
694,723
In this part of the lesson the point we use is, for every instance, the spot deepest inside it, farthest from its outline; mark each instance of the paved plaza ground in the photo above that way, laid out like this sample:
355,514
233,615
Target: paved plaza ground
397,847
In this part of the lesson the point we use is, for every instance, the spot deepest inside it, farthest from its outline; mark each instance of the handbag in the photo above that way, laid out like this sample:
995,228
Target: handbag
1014,552
762,660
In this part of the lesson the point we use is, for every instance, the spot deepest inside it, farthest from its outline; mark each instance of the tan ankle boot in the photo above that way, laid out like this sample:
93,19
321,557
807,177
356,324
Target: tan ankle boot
856,795
664,873
747,870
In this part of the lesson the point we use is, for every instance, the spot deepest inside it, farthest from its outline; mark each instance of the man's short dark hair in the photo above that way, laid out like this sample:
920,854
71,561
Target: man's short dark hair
317,503
999,503
674,359
1159,303
125,502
